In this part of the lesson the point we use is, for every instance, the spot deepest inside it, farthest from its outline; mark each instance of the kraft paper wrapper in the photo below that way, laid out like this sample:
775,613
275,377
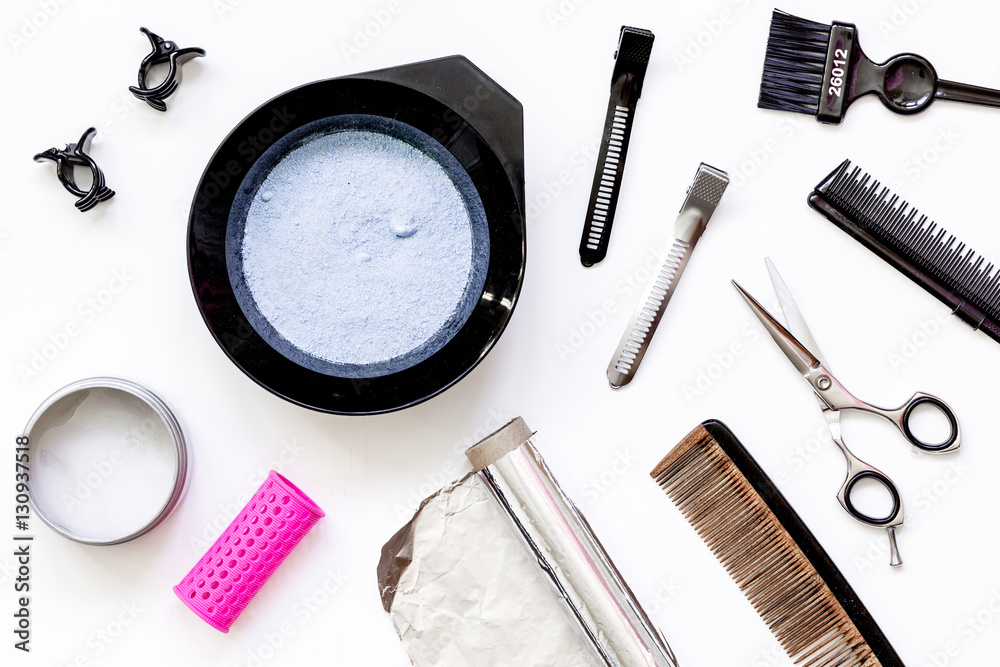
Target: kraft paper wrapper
499,568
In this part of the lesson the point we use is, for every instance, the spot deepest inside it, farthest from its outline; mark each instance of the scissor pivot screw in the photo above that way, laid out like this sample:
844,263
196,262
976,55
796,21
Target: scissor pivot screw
823,383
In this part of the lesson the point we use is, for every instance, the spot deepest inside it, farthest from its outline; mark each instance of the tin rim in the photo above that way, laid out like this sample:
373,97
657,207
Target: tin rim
169,421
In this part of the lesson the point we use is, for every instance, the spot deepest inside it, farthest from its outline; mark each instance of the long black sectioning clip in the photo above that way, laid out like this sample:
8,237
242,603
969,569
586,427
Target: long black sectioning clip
634,48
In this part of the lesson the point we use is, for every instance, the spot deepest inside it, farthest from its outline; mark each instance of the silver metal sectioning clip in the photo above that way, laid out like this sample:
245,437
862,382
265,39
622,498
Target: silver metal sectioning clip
702,198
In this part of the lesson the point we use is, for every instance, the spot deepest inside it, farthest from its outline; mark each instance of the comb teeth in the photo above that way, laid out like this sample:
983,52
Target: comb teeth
794,64
922,242
762,556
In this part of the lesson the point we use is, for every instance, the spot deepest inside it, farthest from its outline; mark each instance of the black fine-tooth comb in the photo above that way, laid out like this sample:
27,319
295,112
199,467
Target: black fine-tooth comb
917,247
820,69
634,48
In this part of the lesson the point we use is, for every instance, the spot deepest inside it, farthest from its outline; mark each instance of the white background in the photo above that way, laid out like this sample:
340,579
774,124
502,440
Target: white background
698,104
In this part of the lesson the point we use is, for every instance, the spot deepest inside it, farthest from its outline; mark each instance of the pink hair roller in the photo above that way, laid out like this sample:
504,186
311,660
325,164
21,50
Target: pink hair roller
231,572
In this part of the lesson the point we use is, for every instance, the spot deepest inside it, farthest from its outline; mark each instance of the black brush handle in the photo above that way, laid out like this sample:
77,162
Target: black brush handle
965,311
963,92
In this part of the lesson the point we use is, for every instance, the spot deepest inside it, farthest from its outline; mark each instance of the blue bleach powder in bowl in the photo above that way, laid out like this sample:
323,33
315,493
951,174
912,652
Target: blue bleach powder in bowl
357,246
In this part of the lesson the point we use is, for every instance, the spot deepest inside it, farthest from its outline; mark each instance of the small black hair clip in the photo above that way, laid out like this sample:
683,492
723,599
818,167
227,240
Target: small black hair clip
75,155
163,52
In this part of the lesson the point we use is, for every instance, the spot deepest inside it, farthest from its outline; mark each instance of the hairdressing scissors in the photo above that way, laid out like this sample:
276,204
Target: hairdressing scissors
801,349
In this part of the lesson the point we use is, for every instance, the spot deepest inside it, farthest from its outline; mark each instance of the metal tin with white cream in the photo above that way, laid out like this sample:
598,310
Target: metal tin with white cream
108,461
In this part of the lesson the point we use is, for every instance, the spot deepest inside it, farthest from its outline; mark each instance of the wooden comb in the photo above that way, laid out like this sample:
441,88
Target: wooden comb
770,553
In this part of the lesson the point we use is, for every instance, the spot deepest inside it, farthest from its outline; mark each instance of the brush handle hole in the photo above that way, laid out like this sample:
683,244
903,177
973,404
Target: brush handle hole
908,84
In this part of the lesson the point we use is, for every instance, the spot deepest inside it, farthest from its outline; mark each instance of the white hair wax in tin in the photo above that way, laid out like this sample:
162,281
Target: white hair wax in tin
108,461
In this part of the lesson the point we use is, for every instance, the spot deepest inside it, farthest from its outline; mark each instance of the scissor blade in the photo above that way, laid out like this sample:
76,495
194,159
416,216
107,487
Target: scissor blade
801,358
796,323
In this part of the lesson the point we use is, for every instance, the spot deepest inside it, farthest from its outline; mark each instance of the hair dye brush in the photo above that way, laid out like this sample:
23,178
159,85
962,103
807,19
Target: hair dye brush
820,69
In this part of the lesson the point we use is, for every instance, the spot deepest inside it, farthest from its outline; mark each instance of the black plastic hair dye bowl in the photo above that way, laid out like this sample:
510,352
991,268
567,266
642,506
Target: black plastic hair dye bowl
357,245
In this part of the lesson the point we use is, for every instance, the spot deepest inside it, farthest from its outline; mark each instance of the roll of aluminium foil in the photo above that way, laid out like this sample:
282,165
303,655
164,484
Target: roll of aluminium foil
567,550
499,568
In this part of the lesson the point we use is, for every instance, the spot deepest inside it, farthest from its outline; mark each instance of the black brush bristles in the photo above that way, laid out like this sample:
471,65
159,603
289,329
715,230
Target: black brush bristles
794,64
918,247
